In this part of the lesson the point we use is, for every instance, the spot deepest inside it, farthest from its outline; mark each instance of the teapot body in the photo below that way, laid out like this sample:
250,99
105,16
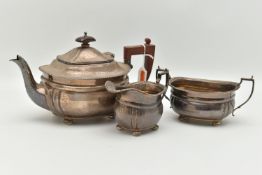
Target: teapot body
79,102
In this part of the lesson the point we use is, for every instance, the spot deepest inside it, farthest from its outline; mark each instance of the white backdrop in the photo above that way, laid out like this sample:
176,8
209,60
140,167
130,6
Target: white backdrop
214,39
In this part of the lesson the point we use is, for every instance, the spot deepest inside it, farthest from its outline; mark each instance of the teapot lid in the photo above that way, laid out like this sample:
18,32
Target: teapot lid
84,63
85,54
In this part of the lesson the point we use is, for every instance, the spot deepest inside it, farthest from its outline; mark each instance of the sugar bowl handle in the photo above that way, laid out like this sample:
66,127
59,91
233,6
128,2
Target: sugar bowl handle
252,91
147,49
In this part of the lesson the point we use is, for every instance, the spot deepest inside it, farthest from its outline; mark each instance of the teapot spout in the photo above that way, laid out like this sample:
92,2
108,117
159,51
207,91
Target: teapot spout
34,90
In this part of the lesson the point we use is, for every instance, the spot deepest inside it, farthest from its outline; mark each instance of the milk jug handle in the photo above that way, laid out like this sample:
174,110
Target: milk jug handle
159,73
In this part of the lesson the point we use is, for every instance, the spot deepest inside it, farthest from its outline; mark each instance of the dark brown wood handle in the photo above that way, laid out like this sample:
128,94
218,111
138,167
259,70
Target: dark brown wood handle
147,48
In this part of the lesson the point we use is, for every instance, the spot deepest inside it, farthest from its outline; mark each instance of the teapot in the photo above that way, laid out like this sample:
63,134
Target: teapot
72,86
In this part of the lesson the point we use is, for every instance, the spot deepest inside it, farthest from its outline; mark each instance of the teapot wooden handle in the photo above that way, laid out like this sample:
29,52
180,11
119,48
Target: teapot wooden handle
148,49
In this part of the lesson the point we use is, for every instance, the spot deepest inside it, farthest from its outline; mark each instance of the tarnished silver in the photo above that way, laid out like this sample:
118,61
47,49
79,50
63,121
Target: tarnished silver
204,100
34,90
111,87
84,65
138,106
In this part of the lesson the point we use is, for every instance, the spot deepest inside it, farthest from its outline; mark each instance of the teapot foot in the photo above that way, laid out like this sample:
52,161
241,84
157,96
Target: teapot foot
111,117
68,121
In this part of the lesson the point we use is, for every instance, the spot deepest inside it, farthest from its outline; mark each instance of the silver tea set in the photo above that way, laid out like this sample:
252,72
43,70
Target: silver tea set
85,83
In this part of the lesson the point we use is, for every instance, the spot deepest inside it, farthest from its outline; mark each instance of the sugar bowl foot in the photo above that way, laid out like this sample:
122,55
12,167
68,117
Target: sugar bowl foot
216,123
194,120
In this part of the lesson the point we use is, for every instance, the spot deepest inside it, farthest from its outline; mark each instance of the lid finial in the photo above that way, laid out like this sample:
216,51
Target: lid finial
85,40
147,41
